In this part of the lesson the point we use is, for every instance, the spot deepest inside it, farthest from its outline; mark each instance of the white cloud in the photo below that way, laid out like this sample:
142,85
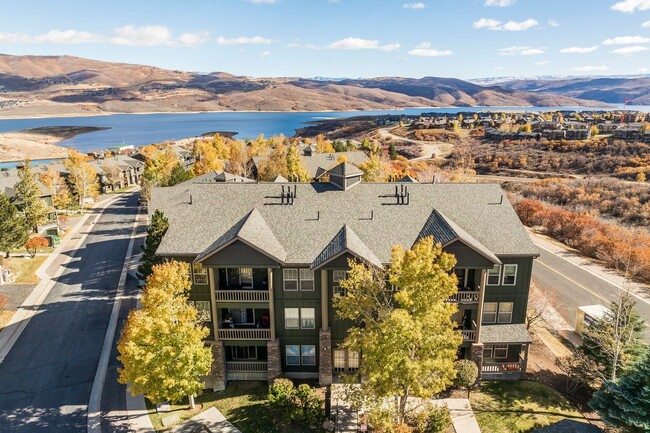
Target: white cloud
191,39
65,37
390,47
145,36
542,63
628,51
624,40
553,23
643,70
414,5
578,50
510,26
264,54
243,40
629,6
499,3
424,50
646,24
521,50
591,68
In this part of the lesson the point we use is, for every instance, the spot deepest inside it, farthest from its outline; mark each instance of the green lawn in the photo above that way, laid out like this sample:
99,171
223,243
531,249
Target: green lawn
243,403
520,406
24,269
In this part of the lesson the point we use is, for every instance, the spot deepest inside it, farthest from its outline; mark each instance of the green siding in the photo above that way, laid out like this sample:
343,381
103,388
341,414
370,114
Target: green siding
518,294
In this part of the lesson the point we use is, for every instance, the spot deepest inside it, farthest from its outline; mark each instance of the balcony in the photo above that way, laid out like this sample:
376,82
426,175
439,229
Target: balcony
469,334
503,370
465,297
242,296
244,334
243,370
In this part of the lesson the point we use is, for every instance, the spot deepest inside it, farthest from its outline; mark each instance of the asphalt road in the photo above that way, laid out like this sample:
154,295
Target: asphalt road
571,286
46,379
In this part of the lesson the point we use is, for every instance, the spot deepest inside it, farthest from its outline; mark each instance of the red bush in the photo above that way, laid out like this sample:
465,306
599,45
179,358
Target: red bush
33,244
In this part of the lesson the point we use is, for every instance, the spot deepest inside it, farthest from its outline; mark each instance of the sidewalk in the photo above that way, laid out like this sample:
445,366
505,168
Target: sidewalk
462,415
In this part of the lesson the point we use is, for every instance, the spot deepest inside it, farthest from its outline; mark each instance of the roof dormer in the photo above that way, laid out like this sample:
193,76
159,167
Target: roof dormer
345,175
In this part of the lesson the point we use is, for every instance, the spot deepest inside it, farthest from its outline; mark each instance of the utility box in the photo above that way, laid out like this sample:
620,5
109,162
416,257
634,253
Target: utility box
588,315
54,240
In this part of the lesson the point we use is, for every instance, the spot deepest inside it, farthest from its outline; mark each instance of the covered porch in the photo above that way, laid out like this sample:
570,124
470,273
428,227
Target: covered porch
505,351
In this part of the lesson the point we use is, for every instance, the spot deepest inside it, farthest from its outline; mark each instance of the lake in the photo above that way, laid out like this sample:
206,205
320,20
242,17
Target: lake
143,129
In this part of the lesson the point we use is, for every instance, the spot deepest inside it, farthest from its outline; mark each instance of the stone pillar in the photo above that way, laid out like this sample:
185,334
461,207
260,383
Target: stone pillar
274,360
325,357
476,355
218,370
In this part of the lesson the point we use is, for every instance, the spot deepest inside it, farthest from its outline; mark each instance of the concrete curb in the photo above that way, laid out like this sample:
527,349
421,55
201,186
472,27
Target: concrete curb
29,308
94,404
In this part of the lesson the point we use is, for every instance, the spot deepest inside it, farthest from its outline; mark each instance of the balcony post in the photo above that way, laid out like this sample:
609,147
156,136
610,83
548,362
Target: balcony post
324,301
479,311
523,370
212,278
271,302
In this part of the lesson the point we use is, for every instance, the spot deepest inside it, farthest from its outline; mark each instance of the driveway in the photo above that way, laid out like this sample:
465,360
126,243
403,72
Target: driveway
46,378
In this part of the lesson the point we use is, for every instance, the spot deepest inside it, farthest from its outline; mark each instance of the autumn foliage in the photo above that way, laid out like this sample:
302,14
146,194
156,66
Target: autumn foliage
33,244
620,248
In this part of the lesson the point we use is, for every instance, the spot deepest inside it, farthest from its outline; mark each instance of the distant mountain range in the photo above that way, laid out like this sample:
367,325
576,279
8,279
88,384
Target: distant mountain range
65,85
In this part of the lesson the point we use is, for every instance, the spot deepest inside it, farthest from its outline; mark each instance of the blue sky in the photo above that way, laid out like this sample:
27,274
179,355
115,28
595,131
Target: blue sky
342,38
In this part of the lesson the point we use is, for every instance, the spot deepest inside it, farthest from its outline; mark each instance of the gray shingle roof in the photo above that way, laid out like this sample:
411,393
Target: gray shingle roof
9,179
346,240
345,169
218,176
501,334
253,231
305,228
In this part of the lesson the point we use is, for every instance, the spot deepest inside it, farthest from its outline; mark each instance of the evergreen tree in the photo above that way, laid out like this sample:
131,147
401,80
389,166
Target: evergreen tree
178,175
616,340
161,348
404,329
28,194
14,231
392,151
626,402
155,232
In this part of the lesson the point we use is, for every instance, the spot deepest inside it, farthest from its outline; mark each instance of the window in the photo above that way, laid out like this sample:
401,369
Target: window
244,352
353,361
505,312
490,312
338,275
292,318
307,318
487,352
204,311
509,275
493,276
338,291
290,279
460,275
339,361
246,278
200,274
308,352
306,279
293,354
501,351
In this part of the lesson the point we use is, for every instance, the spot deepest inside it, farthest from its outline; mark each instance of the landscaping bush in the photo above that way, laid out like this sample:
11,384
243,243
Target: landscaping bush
33,244
466,373
431,419
299,405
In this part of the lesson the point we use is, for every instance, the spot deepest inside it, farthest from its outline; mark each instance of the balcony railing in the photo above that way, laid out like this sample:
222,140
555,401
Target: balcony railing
503,367
244,366
465,297
242,295
244,334
469,334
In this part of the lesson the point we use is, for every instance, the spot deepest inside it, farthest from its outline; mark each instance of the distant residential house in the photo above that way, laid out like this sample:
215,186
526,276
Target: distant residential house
217,176
578,134
607,127
186,157
633,117
554,134
267,260
626,133
8,181
316,164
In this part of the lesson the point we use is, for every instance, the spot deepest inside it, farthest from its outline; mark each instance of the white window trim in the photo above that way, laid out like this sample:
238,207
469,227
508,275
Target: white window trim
338,290
198,311
487,279
510,312
496,313
313,318
490,349
292,318
241,284
302,356
503,276
286,354
335,279
285,279
500,347
312,279
204,273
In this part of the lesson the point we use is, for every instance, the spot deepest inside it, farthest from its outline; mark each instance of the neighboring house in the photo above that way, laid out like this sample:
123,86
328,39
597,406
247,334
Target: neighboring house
315,163
217,176
266,260
8,181
129,172
185,157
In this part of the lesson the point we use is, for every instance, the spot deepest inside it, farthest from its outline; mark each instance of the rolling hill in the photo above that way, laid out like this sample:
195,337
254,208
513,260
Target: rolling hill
66,85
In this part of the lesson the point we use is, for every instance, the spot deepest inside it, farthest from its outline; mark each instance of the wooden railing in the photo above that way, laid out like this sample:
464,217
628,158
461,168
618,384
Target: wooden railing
242,295
469,334
502,367
244,367
465,297
244,334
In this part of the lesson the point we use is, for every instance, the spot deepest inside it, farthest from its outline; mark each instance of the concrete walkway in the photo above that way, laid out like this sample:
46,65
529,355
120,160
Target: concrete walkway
209,421
462,415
